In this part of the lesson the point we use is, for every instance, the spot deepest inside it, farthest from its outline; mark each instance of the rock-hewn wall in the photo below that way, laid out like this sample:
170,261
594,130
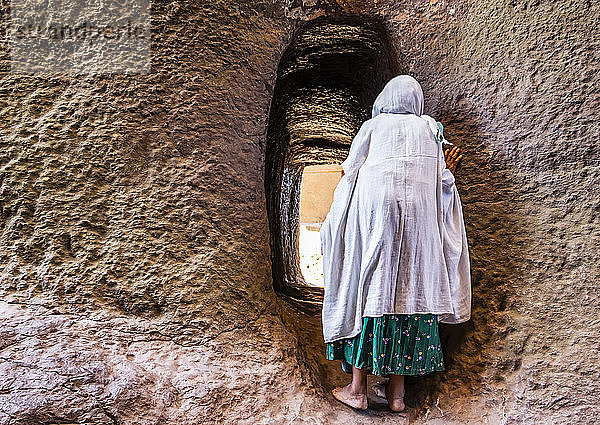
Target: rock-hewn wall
135,274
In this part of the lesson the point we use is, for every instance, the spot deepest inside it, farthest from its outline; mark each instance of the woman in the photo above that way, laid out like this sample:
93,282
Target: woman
396,258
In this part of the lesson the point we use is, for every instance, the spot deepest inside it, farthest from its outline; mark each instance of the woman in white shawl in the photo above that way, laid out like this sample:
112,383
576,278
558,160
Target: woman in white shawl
395,253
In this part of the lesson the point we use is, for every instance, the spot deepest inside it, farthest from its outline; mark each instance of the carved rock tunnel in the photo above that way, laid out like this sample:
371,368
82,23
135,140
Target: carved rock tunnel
327,80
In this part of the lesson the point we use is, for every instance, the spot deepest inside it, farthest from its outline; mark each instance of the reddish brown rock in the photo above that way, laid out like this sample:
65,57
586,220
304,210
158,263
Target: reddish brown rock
136,277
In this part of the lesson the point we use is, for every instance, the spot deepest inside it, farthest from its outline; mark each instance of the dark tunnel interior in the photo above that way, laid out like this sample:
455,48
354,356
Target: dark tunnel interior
327,80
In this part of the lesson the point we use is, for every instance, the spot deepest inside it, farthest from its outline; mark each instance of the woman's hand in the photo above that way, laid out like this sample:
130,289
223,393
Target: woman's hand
452,158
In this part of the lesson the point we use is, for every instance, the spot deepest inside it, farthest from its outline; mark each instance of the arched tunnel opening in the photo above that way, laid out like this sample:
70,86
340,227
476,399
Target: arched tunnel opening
327,80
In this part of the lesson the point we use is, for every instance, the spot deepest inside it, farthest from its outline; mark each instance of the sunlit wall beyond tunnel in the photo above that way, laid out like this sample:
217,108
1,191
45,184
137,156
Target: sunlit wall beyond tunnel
316,195
327,80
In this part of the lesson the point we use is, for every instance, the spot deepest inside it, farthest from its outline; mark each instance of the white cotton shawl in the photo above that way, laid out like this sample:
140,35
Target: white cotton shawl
394,240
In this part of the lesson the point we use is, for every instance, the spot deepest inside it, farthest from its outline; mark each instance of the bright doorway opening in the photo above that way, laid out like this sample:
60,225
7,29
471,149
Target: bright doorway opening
316,195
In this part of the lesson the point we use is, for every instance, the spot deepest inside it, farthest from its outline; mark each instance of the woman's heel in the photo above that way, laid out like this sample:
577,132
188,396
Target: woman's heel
396,403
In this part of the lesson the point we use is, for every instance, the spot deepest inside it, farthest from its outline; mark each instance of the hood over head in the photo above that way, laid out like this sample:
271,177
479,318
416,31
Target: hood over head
401,95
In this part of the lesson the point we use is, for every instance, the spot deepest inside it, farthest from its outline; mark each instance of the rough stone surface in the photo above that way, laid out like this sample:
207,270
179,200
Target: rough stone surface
136,282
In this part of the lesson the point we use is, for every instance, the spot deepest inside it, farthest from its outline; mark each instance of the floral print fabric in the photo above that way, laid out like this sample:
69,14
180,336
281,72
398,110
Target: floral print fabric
398,344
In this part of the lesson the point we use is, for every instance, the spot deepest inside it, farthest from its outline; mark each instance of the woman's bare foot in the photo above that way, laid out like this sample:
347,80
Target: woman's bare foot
394,393
353,399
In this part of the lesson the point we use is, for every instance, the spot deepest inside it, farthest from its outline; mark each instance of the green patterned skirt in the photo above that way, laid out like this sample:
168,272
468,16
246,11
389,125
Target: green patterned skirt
398,344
